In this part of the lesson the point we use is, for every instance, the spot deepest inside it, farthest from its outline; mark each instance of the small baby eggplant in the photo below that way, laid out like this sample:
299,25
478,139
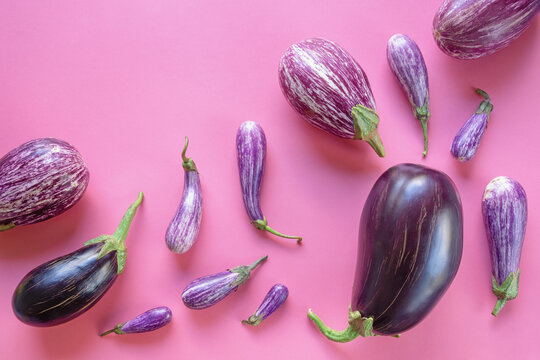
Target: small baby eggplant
468,137
407,64
272,301
504,208
184,227
251,150
150,320
206,291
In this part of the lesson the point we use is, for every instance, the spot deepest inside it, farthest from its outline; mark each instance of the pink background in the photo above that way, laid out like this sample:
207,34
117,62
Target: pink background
125,81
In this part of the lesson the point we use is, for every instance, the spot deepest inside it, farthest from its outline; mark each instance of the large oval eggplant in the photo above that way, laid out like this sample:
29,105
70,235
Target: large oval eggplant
328,88
40,179
469,29
66,287
409,251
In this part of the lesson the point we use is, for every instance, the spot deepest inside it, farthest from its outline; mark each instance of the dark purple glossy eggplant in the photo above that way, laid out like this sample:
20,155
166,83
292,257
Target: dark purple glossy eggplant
410,245
38,180
66,287
504,207
208,290
150,320
251,151
272,301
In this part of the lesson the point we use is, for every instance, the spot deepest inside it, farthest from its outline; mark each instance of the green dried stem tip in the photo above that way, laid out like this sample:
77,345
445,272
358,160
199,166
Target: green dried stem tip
358,326
366,121
187,163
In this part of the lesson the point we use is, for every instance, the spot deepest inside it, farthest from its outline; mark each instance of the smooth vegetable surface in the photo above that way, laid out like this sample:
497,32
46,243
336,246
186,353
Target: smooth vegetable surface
272,301
149,320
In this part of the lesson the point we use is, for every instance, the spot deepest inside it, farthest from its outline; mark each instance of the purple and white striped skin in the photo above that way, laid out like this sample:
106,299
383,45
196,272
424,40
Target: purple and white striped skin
272,301
150,320
184,227
40,179
407,64
469,29
504,207
251,151
208,290
325,85
468,137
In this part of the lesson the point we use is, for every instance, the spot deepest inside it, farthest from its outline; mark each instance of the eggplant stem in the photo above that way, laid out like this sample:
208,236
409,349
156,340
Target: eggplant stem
7,226
122,229
257,263
263,225
498,306
424,130
117,330
187,163
366,121
344,336
485,106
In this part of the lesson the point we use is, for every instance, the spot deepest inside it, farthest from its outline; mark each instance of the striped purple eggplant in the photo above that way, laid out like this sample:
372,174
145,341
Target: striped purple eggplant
251,151
207,291
328,88
40,179
469,29
407,64
468,137
504,207
150,320
272,301
184,227
64,288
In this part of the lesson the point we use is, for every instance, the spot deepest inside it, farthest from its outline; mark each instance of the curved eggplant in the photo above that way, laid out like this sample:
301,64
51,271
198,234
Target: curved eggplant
272,301
149,320
410,246
40,179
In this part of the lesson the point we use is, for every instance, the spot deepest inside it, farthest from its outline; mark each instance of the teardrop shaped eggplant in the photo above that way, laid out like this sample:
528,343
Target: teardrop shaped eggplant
273,300
149,320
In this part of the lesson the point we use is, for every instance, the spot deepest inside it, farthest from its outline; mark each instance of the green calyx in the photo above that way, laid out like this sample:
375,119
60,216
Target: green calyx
422,114
7,226
117,241
187,163
244,271
485,106
117,330
263,225
253,320
366,121
358,326
508,290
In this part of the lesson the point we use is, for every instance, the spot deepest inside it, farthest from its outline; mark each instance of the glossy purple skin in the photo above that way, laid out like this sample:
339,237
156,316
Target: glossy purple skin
469,29
207,291
467,140
272,301
150,320
38,180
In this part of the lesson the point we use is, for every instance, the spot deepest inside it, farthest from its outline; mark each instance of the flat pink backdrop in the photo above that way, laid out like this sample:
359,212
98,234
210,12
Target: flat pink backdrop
125,81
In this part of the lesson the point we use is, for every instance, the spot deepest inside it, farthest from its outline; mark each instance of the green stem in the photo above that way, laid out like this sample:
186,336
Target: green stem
485,106
498,306
424,130
366,121
422,114
263,225
117,330
187,163
253,320
508,290
358,326
257,263
7,226
244,271
122,229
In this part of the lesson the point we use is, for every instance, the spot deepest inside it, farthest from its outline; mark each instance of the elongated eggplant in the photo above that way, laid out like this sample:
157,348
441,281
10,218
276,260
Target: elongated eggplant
184,227
66,287
468,138
251,150
504,207
407,64
208,290
150,320
328,88
410,245
40,179
272,301
469,29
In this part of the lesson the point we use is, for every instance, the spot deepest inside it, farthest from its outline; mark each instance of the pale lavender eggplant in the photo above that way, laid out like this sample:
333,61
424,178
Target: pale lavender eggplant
207,291
504,208
407,64
184,227
469,29
40,179
328,88
150,320
272,301
468,138
251,151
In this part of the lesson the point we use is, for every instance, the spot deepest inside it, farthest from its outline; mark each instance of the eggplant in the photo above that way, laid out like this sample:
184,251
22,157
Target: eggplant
251,151
40,179
272,301
407,64
328,88
64,288
467,140
184,227
150,320
208,290
470,29
409,250
504,208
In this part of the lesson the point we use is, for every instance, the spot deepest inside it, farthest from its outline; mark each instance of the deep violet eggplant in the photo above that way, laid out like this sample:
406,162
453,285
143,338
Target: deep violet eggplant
504,208
208,290
409,249
468,138
251,151
407,64
184,227
40,179
469,29
328,88
66,287
150,320
272,301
